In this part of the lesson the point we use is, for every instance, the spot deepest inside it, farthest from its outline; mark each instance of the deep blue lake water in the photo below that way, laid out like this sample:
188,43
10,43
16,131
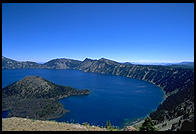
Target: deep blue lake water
115,98
5,113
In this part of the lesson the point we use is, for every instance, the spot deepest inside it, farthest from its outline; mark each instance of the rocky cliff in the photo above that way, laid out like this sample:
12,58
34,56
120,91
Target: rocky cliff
61,64
12,64
176,82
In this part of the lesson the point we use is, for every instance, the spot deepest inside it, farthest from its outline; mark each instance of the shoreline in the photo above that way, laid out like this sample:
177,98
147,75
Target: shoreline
66,96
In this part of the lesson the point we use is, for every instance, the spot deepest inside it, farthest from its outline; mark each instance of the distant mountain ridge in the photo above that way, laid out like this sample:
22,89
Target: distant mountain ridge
183,65
180,64
64,63
61,63
174,81
12,64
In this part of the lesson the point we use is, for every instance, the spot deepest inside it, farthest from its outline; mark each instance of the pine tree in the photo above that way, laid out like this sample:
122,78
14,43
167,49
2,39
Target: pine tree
148,125
108,125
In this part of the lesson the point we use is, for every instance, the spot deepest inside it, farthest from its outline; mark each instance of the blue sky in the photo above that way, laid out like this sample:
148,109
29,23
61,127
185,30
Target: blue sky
124,32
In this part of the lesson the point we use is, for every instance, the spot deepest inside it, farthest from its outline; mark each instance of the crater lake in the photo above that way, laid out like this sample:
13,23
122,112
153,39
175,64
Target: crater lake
117,99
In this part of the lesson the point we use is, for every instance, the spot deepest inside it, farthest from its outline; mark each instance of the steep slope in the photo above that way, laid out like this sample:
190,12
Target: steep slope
179,104
62,63
12,64
104,66
36,98
52,64
176,82
169,78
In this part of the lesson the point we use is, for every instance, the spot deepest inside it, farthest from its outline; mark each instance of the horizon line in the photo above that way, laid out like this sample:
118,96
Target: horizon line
133,62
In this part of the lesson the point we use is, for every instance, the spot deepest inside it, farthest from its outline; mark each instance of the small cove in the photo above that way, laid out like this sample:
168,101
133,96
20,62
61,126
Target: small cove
115,98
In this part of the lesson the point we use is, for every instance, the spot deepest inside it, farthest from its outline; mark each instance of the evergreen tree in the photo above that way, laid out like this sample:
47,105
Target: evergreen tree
108,125
148,125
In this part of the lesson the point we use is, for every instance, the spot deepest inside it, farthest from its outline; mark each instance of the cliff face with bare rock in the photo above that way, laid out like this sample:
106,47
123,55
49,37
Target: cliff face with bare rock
176,81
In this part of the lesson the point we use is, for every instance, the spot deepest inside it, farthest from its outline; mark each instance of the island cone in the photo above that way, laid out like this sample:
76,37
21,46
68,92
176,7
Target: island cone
35,97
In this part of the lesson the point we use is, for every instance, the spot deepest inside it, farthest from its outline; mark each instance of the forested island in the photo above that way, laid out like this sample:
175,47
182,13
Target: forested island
36,98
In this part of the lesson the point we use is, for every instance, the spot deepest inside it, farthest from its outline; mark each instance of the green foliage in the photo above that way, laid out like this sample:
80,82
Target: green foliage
108,124
86,124
148,125
110,127
47,109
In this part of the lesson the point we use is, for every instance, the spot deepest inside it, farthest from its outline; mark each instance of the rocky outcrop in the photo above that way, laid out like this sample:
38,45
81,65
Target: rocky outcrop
181,103
129,128
61,64
184,125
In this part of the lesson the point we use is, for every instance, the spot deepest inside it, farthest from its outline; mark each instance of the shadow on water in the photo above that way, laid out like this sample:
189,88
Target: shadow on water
5,113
